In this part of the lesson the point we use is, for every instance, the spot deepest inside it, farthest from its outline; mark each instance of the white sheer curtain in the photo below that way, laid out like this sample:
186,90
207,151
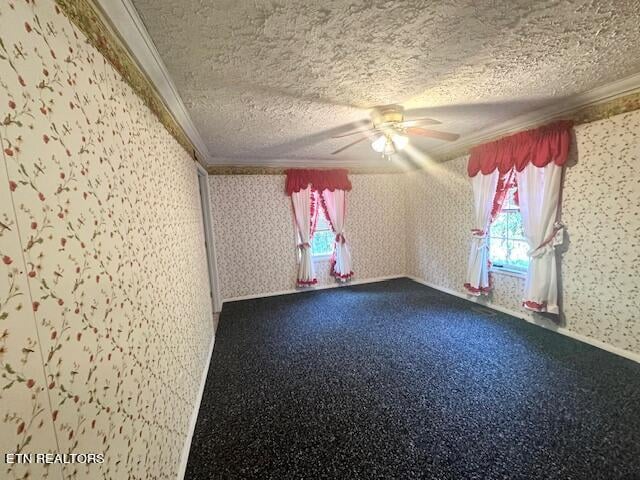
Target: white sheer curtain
335,205
484,191
301,202
539,194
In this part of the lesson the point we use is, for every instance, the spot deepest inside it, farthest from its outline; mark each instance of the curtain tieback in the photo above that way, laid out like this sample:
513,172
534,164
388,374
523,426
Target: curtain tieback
548,245
340,238
480,235
304,245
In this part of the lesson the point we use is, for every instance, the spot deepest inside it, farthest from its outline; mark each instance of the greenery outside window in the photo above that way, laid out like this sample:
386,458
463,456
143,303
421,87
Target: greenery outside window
508,247
322,242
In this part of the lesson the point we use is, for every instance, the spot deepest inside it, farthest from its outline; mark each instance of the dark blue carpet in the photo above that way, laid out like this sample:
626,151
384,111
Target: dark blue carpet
396,380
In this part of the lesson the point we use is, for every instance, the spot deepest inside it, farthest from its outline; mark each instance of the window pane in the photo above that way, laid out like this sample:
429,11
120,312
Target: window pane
515,225
518,254
322,223
322,242
499,226
507,245
498,252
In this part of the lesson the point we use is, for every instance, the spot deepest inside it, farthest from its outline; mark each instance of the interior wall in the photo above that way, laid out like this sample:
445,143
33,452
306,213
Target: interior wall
601,199
255,236
105,319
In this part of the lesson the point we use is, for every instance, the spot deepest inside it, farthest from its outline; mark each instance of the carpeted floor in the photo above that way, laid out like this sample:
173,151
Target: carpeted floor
395,380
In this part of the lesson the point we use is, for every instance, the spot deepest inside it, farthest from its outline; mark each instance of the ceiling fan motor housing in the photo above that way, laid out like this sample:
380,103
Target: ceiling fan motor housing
387,115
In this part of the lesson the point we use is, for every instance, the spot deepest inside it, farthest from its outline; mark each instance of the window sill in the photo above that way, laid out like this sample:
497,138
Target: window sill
508,272
321,258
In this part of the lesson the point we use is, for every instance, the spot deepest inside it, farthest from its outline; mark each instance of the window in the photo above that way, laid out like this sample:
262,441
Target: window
507,245
322,242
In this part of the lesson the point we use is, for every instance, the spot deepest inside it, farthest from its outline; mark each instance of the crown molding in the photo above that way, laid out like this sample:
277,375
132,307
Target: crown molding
596,104
306,162
90,18
279,170
117,31
127,24
224,165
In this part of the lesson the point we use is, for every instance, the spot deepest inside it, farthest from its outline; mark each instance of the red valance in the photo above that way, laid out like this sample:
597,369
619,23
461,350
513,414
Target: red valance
539,146
300,178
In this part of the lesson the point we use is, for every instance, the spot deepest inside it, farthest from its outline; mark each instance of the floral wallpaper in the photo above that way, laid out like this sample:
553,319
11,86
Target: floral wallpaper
255,238
601,200
422,220
601,284
105,319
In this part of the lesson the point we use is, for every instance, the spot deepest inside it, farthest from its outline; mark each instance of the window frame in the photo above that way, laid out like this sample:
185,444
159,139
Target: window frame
507,268
323,255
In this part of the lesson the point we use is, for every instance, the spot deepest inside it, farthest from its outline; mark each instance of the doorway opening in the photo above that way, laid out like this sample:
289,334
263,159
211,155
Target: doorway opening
212,266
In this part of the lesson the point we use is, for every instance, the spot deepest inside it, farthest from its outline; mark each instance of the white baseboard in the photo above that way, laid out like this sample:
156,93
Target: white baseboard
524,315
317,287
518,314
182,470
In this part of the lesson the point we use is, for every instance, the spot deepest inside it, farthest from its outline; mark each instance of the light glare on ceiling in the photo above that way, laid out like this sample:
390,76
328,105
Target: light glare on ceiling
400,141
379,144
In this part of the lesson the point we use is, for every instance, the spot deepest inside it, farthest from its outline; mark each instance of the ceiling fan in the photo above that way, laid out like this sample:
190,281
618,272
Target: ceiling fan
390,132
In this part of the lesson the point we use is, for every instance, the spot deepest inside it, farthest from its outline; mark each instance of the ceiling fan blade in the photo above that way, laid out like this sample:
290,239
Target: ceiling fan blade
424,132
420,121
353,133
406,123
349,145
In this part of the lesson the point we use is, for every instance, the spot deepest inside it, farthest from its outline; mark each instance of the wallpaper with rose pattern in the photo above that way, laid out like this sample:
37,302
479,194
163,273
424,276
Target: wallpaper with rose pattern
422,220
255,237
105,320
601,201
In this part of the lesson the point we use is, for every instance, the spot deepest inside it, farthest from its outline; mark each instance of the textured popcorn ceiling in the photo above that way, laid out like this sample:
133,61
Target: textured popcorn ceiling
267,80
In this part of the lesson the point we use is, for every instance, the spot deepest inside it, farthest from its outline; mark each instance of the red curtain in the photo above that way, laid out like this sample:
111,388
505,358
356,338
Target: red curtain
539,146
299,179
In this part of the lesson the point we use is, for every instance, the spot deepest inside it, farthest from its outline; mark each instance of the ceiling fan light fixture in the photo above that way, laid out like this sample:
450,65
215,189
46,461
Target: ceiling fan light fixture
400,141
390,131
389,148
379,144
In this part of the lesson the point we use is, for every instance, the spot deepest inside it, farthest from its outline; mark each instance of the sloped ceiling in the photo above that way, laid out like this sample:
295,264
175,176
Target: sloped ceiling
268,82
